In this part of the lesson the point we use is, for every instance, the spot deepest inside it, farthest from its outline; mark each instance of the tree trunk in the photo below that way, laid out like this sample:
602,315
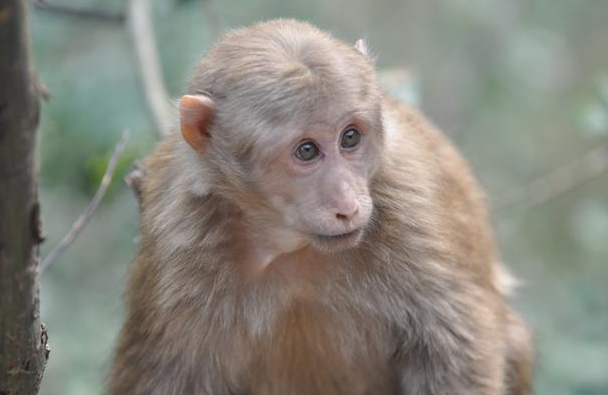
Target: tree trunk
23,348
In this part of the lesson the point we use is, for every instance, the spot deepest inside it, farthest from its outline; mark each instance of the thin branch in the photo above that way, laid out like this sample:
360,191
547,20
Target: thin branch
139,16
82,220
557,182
142,35
95,14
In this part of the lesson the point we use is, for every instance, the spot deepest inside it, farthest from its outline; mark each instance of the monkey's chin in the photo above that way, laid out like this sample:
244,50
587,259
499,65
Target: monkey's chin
336,243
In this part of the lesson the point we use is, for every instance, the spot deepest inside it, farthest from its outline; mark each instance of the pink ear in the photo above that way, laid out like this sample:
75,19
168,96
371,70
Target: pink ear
195,116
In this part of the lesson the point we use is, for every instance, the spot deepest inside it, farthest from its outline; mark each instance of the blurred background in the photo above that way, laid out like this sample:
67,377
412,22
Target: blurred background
521,87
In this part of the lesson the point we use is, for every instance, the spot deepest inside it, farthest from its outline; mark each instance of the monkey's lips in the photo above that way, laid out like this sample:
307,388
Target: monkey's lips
335,243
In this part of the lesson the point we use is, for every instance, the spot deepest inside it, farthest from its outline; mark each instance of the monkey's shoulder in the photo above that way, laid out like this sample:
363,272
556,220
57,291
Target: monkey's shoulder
435,189
426,156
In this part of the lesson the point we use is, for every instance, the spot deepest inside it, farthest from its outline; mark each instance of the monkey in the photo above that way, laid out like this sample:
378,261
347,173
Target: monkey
304,233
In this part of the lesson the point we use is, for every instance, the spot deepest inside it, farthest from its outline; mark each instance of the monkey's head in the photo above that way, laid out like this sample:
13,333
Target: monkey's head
287,121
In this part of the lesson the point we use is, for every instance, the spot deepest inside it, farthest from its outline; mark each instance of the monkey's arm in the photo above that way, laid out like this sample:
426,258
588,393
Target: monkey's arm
456,353
148,360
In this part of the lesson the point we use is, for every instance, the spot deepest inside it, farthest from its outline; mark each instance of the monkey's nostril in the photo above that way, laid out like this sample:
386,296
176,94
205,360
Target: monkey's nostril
344,217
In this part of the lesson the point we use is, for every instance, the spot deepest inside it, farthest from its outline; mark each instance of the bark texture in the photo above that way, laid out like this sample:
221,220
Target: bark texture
23,340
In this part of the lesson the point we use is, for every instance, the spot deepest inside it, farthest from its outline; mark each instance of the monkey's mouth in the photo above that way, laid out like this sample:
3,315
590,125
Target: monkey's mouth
336,243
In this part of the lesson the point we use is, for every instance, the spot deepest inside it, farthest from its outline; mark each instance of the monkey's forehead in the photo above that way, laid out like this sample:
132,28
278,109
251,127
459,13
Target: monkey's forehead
281,105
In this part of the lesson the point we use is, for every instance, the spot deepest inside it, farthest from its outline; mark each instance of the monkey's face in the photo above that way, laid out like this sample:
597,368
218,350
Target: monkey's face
297,120
316,178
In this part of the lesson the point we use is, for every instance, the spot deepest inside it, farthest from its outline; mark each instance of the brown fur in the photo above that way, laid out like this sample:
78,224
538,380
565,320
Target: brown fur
416,307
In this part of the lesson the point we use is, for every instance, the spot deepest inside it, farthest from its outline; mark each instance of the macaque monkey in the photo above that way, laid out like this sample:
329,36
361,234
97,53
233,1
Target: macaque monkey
304,234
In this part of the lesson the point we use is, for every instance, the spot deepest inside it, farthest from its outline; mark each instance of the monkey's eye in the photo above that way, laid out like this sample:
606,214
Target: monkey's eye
350,138
307,151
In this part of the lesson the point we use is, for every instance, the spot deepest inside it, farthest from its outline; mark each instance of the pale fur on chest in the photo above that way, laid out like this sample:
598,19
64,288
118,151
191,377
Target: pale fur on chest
299,325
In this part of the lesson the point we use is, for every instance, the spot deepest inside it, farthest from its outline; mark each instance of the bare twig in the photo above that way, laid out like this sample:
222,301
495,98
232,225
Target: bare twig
81,12
142,34
82,220
557,182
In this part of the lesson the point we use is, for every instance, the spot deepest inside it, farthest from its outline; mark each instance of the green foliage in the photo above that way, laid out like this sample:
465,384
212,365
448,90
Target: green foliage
95,167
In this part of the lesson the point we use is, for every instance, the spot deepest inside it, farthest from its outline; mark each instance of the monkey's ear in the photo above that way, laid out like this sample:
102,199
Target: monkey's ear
361,46
195,115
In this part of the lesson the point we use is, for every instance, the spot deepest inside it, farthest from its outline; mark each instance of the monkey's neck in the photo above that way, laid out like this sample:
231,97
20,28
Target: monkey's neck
262,246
